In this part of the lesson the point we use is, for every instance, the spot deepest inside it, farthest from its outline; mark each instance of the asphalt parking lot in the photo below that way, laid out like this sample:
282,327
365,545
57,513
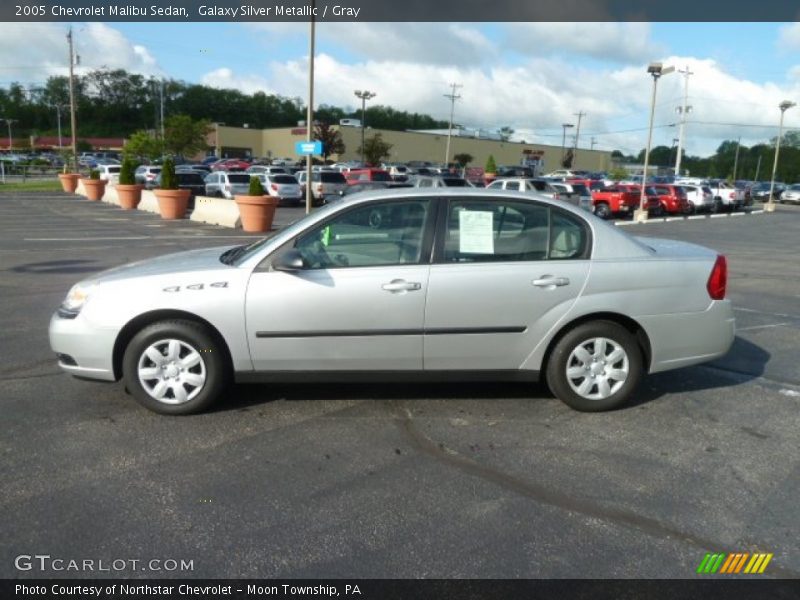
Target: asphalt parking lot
483,481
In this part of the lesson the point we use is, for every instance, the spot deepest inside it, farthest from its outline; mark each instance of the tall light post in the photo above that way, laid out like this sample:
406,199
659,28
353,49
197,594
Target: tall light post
364,95
565,126
655,69
770,205
9,122
310,107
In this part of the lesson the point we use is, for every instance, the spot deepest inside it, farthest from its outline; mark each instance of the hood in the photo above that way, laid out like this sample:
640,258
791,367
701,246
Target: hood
204,259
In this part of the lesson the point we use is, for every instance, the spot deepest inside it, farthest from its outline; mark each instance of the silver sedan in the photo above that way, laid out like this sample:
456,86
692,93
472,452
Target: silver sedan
464,284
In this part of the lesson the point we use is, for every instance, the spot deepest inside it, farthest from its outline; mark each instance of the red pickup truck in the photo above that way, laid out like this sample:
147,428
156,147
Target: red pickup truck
673,199
622,199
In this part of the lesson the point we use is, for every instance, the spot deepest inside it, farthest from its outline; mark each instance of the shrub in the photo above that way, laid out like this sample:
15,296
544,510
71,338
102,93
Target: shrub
94,174
256,189
491,166
127,172
168,179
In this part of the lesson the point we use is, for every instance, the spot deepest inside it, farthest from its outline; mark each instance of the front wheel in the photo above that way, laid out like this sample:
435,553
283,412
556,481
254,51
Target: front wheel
595,367
174,367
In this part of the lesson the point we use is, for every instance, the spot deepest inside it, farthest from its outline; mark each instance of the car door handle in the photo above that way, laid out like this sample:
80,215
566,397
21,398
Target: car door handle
401,285
550,281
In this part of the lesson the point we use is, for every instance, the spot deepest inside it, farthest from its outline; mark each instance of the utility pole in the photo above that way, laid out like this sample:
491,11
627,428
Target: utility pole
73,121
580,115
564,126
310,108
453,97
683,110
736,158
758,168
162,110
593,141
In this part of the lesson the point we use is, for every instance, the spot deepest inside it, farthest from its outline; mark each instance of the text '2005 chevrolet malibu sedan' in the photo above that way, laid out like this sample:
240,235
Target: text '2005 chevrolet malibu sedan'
400,284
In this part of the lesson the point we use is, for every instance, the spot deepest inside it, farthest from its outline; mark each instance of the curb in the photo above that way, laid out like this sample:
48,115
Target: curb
689,218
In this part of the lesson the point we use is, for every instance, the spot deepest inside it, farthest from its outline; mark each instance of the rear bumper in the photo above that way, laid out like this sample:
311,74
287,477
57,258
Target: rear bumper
83,350
685,339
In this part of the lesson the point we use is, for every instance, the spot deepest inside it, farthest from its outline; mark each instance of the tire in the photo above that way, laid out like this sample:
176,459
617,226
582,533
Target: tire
198,367
578,376
602,210
717,206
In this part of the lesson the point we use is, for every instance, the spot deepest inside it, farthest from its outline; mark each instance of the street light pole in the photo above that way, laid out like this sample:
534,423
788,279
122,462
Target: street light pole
310,107
364,95
770,205
656,70
9,122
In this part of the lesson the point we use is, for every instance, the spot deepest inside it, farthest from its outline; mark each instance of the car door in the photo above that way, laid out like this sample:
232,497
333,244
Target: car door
505,272
357,304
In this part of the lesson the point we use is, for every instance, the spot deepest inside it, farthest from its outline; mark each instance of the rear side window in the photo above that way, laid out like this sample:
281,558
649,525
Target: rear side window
506,231
381,176
326,177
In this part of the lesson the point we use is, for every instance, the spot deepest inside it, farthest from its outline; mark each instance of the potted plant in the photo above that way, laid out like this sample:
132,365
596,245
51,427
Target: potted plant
69,181
256,209
172,201
490,171
128,191
94,186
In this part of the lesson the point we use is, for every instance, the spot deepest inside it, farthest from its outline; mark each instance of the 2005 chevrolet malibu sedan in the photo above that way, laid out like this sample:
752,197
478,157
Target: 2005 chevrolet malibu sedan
405,284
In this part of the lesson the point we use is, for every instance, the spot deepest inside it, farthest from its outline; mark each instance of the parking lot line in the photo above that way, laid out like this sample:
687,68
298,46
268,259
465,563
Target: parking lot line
762,326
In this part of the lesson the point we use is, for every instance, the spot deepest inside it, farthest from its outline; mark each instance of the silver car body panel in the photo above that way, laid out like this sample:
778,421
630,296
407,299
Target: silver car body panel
470,316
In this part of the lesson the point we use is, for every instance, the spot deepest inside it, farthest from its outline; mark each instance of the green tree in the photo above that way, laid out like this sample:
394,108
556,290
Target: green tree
506,133
375,149
331,139
463,159
185,137
491,165
144,145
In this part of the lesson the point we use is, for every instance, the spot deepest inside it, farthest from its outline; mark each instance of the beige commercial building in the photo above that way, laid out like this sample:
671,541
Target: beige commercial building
406,146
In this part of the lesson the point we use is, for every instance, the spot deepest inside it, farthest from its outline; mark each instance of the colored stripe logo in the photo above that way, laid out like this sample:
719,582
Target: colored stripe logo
734,563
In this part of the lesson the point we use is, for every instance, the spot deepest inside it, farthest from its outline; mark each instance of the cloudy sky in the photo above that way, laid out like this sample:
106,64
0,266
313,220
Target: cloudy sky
530,76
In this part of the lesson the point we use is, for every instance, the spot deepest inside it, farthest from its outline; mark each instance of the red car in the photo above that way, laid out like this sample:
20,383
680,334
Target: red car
615,200
652,202
673,199
230,164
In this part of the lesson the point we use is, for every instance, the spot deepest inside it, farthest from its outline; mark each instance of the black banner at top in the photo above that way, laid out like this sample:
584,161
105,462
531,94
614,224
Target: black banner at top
399,10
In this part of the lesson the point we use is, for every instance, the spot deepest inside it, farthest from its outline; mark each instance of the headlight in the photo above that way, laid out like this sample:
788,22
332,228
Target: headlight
76,298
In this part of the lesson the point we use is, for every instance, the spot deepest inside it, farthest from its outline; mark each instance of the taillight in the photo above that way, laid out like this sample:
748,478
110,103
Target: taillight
732,195
319,188
718,280
555,196
274,187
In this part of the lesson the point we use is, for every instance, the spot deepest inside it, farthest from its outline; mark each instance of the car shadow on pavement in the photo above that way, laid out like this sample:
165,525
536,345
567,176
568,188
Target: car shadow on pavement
59,266
744,362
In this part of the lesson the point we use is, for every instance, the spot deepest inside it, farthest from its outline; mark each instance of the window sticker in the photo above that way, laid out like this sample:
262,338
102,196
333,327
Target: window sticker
475,232
326,236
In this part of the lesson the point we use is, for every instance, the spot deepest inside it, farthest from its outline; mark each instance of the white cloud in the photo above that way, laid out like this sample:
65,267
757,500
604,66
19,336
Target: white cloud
789,37
535,98
224,78
45,51
620,42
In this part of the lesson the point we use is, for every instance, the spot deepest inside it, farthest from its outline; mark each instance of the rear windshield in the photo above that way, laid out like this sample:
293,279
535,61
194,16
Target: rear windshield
326,177
238,178
454,182
189,178
113,169
579,189
283,179
381,176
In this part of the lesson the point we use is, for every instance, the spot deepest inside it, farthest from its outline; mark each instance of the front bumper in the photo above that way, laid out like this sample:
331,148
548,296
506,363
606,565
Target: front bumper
84,350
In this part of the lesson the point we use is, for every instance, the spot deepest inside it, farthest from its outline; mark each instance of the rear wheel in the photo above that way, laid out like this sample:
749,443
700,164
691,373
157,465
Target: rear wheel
174,367
602,210
595,367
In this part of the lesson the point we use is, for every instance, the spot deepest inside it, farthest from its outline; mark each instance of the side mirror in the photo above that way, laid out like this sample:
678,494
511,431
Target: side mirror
290,261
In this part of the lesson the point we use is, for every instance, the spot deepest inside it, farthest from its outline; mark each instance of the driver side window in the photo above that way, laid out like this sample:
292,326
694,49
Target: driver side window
387,233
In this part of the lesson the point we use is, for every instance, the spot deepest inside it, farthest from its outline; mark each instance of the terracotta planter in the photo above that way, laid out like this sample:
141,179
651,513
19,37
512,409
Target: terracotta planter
129,195
257,212
69,182
95,188
172,204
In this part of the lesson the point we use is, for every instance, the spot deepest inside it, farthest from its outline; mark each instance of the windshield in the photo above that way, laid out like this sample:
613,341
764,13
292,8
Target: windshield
238,255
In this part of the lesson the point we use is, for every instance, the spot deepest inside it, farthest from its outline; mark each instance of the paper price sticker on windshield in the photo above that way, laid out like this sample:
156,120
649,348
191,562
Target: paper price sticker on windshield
475,232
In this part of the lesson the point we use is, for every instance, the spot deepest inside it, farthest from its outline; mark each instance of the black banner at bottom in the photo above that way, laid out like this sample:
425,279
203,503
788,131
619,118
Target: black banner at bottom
401,589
